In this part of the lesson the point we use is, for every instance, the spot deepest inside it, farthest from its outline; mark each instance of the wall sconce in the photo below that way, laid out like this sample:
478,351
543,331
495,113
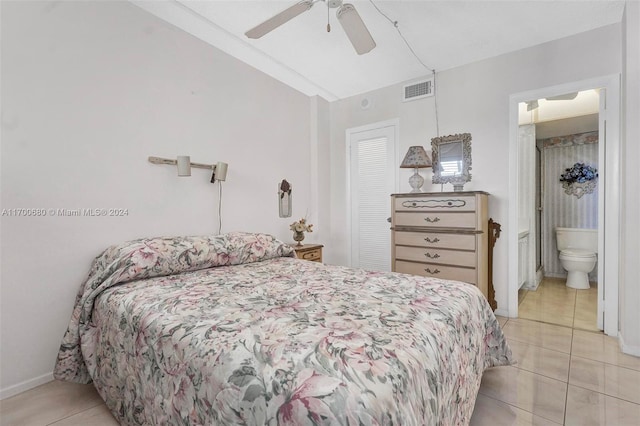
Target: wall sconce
416,158
284,199
184,166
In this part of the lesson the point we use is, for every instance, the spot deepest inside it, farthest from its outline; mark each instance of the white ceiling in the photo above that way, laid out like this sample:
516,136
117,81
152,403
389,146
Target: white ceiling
444,34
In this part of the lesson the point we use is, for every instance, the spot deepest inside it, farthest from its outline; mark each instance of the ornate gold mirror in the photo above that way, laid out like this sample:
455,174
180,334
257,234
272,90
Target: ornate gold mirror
452,159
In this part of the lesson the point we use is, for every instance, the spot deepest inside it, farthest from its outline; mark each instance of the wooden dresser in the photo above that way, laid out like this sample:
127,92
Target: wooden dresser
441,234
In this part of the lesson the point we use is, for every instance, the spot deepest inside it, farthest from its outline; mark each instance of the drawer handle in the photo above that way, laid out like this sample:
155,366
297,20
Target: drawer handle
309,255
435,240
435,271
434,220
432,256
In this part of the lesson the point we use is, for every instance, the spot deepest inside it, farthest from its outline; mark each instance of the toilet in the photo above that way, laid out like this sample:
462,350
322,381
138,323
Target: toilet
578,254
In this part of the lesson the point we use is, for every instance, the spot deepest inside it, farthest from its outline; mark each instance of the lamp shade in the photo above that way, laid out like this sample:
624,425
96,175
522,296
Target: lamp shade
184,165
416,158
221,171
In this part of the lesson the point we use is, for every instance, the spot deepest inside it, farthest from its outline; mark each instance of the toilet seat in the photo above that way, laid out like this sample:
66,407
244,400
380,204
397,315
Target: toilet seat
577,253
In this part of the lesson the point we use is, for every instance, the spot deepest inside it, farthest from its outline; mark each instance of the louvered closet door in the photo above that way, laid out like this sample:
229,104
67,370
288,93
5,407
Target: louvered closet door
373,172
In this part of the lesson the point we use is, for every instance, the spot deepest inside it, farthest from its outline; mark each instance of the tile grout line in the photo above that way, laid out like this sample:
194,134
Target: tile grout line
75,414
537,374
518,408
566,396
606,363
603,394
573,323
540,415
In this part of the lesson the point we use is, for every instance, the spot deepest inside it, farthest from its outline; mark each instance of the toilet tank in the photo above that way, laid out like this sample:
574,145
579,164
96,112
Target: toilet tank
577,238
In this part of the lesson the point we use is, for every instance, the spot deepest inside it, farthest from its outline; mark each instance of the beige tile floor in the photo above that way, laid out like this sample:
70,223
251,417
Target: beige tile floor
567,372
555,303
563,376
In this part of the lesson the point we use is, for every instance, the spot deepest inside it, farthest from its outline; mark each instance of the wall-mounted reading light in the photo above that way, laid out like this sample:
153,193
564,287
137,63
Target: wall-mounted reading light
219,172
184,166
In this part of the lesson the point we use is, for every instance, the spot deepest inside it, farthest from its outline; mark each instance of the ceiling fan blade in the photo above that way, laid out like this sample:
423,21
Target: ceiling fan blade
357,32
279,19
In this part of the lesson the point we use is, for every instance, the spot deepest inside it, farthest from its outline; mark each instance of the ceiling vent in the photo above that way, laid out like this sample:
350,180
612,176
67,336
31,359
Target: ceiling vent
419,90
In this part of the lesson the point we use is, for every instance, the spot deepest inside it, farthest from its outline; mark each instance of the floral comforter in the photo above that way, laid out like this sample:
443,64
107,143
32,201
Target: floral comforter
232,330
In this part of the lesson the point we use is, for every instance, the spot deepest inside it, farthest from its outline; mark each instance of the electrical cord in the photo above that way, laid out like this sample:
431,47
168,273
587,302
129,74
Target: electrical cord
435,103
433,71
220,207
395,24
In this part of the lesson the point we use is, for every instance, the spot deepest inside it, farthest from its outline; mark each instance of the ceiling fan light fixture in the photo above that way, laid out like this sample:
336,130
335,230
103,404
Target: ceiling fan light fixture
565,97
356,30
279,19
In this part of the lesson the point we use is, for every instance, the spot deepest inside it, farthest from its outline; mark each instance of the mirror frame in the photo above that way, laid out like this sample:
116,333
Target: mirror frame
465,176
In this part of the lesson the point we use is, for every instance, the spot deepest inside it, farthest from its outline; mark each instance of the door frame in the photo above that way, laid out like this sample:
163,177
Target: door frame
395,123
608,187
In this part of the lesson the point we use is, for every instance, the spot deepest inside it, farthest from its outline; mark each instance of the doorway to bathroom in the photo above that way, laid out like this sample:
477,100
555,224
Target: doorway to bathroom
546,146
560,133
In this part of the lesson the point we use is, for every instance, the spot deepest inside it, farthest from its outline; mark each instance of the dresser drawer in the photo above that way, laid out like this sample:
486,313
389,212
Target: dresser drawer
436,203
467,275
435,239
313,255
311,252
436,219
439,256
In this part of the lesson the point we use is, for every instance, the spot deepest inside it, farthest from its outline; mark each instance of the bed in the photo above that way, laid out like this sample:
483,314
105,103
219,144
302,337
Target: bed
233,329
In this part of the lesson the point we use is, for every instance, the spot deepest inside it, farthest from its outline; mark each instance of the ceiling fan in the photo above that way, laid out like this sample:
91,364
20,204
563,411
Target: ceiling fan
347,15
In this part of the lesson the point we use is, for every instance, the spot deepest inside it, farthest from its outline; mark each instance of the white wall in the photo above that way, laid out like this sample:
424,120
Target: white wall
630,244
319,202
416,124
89,91
474,98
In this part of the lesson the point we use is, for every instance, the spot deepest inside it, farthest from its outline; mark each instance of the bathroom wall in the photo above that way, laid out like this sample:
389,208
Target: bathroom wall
561,209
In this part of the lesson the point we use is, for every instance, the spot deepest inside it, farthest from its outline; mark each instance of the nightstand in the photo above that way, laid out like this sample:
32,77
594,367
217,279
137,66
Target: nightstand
312,252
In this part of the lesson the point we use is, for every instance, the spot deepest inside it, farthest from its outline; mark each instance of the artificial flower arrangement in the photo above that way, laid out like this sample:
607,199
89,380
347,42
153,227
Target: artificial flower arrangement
579,180
580,173
301,226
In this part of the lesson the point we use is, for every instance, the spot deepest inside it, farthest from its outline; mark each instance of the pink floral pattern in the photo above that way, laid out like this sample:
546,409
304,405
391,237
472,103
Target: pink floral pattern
232,330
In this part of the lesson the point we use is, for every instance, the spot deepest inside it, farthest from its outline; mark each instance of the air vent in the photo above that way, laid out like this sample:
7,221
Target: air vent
419,90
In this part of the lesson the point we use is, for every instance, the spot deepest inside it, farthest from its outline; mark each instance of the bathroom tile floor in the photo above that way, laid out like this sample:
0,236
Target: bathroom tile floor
564,375
555,303
567,372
